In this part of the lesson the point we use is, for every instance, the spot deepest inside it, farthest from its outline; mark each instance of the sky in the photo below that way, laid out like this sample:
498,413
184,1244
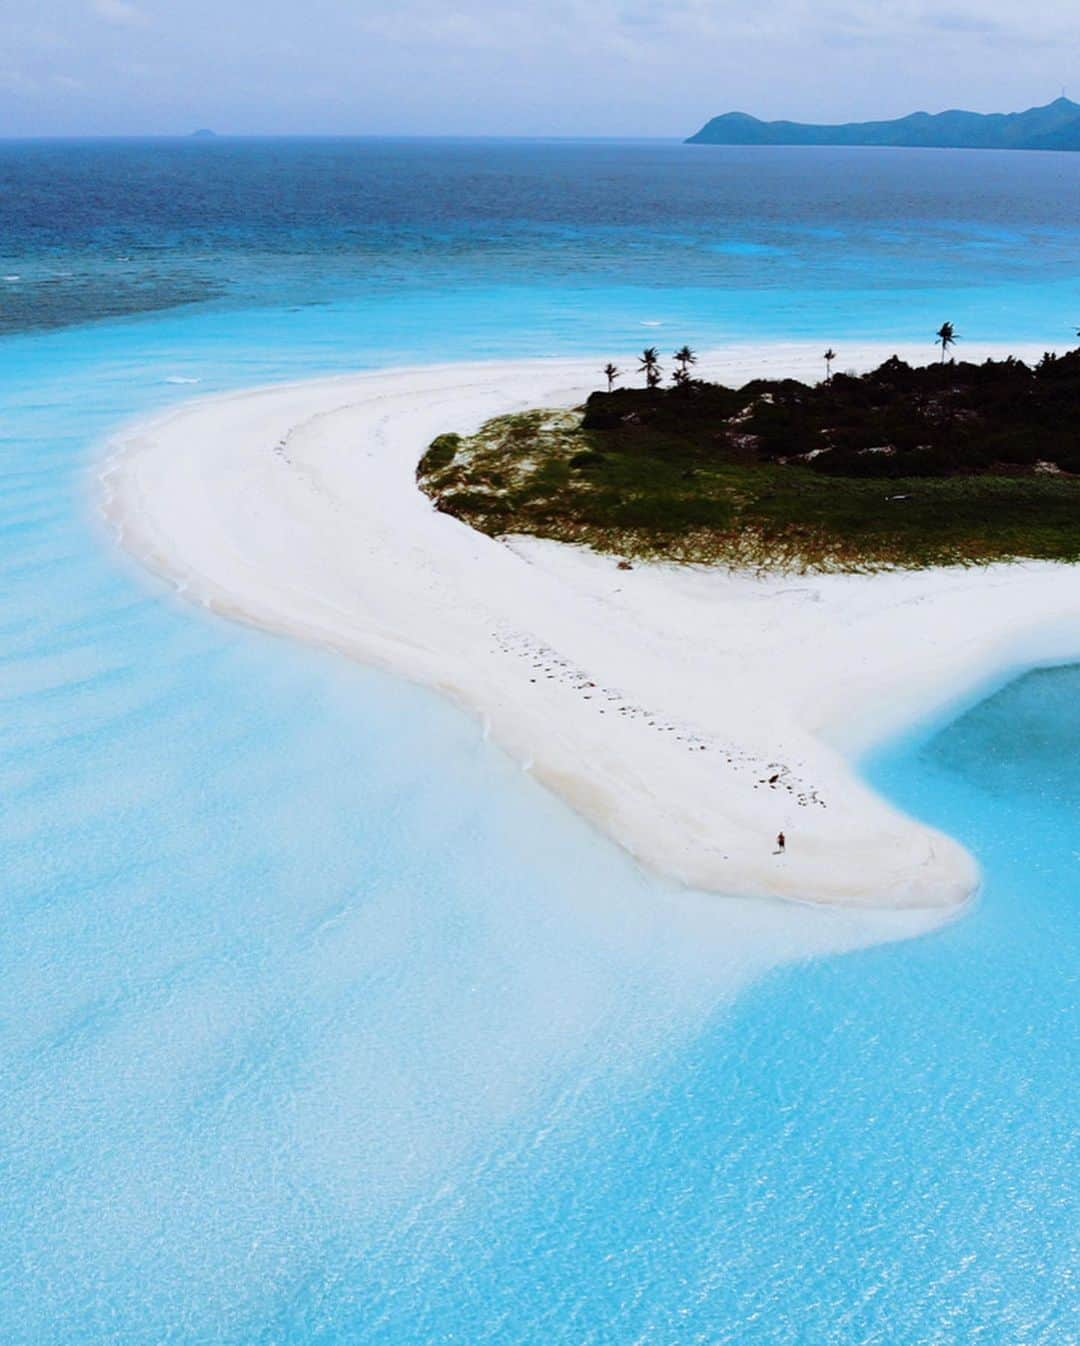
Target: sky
490,67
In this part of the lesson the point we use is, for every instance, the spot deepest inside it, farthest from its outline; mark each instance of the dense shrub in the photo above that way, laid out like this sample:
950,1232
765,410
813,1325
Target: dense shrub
899,420
440,455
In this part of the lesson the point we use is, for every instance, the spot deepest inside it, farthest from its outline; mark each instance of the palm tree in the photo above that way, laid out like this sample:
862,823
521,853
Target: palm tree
946,337
829,357
681,376
611,374
650,366
684,359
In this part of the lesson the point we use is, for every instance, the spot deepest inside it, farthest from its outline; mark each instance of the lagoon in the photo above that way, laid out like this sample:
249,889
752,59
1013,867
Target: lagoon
320,1023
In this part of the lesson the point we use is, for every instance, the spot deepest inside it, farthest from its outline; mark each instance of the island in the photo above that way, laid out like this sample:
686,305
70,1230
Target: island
1053,127
691,713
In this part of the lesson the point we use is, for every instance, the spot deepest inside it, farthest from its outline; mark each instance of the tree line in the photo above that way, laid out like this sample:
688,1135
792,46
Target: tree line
649,361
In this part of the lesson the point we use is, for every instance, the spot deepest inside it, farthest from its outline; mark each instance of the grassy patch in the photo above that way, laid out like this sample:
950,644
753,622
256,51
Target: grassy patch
666,492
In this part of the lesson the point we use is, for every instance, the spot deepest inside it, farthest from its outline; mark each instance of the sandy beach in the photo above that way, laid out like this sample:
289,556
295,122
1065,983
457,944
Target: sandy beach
690,714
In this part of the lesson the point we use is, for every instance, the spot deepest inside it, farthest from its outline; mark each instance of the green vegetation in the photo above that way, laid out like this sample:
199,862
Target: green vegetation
440,454
1053,127
948,464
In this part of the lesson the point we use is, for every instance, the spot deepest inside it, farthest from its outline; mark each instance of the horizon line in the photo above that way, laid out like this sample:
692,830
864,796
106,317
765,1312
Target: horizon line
331,135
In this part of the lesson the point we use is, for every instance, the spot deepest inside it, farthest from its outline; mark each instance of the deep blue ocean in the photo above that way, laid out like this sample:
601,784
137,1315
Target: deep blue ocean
319,1021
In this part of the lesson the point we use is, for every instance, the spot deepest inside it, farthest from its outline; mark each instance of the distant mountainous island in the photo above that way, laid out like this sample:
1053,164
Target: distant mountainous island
1053,127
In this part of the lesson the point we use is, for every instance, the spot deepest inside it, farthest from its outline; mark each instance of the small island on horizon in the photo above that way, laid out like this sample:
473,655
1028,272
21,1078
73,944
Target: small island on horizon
1056,126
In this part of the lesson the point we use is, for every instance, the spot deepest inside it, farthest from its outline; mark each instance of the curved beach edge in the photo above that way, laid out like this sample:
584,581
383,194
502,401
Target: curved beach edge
691,714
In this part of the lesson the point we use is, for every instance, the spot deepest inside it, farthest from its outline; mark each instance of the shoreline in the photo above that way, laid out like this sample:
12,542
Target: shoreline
690,714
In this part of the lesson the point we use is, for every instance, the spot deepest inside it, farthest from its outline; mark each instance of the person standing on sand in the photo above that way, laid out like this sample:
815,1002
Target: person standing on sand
781,843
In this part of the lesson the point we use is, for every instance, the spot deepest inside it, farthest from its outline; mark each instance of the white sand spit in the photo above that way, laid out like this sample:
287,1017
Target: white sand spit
691,714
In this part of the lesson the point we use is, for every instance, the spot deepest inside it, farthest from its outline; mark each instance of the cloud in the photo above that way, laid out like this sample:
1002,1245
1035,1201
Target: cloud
18,82
953,21
120,12
589,66
22,84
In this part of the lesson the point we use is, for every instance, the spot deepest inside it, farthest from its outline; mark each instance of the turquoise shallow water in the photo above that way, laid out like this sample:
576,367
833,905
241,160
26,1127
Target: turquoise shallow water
320,1023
